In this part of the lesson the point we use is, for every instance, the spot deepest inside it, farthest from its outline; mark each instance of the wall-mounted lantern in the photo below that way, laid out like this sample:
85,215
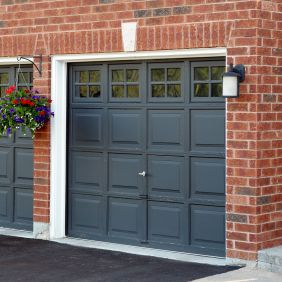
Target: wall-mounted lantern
231,80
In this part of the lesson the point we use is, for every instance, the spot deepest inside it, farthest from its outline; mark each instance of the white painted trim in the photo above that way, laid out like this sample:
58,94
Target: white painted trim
144,55
58,149
13,61
58,124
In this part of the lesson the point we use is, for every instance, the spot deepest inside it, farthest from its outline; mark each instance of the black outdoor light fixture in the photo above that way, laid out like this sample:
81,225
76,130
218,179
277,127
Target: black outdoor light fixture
231,80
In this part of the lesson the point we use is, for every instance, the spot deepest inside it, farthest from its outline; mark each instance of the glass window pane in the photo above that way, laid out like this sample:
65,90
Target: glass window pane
117,75
201,90
133,91
201,73
3,91
94,91
216,89
118,91
82,91
4,78
158,90
217,72
174,90
174,74
132,75
83,76
158,74
24,77
94,76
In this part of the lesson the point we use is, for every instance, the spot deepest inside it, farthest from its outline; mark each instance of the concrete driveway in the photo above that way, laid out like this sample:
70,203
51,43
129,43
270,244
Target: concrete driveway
36,260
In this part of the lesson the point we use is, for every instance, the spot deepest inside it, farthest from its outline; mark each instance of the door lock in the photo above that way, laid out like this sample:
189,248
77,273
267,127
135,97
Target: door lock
143,173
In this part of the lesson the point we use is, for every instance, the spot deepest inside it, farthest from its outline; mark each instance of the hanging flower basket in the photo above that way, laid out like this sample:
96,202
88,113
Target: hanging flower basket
23,108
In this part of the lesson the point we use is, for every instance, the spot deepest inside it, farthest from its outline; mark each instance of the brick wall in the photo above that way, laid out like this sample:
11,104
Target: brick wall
251,31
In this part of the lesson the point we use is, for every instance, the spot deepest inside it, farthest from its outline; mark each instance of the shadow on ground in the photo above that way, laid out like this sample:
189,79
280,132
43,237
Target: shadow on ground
37,260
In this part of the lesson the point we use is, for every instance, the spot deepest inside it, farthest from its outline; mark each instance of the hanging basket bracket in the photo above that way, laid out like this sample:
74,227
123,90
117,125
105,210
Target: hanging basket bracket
39,67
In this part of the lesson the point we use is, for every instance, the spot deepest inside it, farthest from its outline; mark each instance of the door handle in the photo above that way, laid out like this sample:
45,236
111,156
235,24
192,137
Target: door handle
143,173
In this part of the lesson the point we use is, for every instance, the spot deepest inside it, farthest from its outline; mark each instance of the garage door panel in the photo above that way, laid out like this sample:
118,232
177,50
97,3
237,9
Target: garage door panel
167,222
87,171
5,199
166,130
208,130
88,127
208,226
6,163
16,163
123,174
166,177
23,206
127,219
153,151
126,129
24,166
207,177
87,214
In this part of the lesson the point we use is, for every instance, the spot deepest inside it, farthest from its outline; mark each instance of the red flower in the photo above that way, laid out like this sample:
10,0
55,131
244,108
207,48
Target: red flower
42,113
26,91
49,101
15,102
11,89
31,104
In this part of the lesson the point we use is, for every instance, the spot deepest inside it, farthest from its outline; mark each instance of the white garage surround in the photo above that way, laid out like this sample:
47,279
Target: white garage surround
59,136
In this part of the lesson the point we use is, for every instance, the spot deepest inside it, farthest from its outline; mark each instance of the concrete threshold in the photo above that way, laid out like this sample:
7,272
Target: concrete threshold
16,233
172,255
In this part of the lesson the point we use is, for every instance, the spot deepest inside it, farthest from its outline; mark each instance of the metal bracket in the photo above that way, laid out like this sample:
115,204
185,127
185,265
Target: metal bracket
239,69
39,68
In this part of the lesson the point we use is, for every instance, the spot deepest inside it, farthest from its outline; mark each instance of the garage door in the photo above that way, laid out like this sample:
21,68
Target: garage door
16,165
146,163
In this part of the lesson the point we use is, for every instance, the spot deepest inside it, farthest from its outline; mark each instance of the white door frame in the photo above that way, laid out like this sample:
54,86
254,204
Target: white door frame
59,122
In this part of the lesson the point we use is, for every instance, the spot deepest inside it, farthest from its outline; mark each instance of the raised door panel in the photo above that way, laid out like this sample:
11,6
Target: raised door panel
123,174
88,128
167,223
23,137
166,130
24,166
126,219
207,178
87,215
6,165
166,177
87,171
5,204
207,226
207,131
126,129
23,213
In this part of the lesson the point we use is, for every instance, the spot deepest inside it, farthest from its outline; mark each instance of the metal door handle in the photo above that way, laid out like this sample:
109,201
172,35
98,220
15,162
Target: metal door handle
143,173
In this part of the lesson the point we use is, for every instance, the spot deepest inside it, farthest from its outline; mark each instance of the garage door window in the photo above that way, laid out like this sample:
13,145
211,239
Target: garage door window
206,81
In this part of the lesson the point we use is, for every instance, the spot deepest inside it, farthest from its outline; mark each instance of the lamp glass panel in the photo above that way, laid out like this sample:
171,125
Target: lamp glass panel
230,86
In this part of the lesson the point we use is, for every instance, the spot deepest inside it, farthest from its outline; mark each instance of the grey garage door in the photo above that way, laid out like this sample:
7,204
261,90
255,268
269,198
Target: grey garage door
16,165
146,154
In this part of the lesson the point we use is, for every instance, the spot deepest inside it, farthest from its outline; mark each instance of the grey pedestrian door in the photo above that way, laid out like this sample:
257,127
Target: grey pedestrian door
146,163
16,165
